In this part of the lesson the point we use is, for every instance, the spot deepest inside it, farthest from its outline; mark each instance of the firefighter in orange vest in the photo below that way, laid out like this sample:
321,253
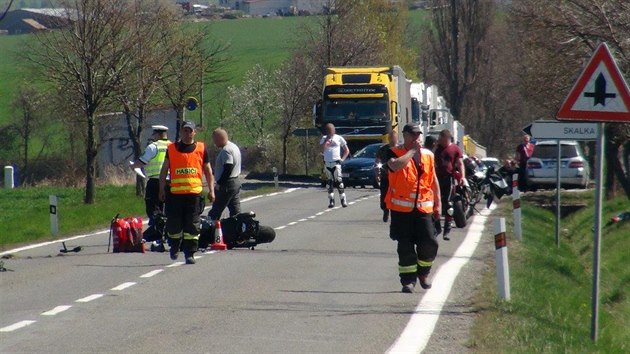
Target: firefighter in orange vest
414,201
187,160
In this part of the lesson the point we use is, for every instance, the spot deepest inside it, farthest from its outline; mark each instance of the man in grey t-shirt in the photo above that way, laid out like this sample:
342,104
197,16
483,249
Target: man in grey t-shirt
227,168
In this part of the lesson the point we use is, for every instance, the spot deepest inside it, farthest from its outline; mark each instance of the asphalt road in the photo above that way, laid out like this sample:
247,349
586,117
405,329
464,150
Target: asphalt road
328,283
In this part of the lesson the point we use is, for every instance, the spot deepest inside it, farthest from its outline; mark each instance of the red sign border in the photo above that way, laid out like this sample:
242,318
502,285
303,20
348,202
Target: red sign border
602,54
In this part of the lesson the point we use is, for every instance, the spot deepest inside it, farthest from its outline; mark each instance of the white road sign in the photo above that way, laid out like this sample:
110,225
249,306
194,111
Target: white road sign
549,129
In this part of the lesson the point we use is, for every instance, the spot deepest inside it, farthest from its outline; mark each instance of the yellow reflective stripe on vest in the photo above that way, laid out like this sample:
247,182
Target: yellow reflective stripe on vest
186,180
407,269
408,204
425,263
194,190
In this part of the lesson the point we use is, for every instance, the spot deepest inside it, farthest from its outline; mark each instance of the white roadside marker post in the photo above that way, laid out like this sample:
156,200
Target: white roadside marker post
9,183
501,256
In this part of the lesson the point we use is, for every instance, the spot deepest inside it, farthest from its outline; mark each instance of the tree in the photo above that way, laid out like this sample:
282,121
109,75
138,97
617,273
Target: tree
558,39
293,83
153,23
457,31
27,104
87,60
194,60
254,105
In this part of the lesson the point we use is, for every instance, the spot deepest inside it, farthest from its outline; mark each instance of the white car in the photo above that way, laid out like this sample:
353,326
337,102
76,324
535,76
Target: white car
541,167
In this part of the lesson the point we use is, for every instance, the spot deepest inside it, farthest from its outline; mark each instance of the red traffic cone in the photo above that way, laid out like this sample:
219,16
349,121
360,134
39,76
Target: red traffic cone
218,244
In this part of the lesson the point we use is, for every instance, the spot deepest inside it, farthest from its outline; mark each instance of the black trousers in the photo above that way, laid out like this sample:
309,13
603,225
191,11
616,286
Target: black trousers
183,213
417,248
226,195
522,178
152,201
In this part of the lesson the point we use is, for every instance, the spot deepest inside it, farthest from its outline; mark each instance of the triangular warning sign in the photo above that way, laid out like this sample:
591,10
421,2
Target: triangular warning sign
600,94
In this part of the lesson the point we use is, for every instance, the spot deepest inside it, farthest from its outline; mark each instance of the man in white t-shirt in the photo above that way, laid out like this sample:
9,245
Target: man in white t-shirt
335,150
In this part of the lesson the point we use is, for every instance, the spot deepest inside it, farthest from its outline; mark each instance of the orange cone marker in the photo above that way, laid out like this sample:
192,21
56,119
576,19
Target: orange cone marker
218,244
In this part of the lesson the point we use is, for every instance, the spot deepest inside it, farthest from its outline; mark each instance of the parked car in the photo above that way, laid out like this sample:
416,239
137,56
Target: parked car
541,167
360,170
491,162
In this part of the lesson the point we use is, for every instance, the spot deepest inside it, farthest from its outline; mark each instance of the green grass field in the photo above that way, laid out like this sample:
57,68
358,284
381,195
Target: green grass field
551,287
266,41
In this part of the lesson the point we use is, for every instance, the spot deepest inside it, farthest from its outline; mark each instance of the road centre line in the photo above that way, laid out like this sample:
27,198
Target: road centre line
421,325
151,273
176,264
106,231
90,298
56,310
123,286
17,325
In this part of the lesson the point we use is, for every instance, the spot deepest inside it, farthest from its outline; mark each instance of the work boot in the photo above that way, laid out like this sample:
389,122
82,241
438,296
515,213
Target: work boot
190,259
174,250
447,230
424,281
385,215
331,203
342,198
408,288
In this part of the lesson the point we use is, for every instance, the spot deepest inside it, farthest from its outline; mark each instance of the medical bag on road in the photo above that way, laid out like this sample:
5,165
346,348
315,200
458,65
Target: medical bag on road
126,235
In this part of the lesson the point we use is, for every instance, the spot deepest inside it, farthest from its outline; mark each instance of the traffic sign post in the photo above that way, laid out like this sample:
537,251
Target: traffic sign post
600,95
558,131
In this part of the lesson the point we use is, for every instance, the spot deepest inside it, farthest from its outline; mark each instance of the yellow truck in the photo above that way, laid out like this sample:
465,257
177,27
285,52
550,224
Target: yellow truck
364,103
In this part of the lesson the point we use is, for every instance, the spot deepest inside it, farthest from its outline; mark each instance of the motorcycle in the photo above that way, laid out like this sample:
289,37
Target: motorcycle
239,231
494,186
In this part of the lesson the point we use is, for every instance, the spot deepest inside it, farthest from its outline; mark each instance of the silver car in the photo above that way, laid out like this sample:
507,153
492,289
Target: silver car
541,167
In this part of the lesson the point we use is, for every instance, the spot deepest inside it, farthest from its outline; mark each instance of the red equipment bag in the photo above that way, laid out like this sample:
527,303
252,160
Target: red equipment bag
126,234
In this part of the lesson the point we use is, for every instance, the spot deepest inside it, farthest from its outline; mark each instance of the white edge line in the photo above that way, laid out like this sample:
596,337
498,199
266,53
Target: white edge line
419,329
176,264
105,231
90,298
280,227
152,273
302,220
312,217
56,310
17,325
123,286
292,223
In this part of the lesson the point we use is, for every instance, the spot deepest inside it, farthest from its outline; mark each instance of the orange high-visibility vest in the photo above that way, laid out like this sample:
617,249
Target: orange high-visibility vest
403,192
186,169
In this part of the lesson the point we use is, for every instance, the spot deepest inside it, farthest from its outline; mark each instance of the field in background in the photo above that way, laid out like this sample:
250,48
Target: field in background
265,41
551,287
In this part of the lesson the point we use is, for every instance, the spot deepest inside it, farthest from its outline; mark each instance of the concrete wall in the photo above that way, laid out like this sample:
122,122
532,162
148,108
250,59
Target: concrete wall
116,147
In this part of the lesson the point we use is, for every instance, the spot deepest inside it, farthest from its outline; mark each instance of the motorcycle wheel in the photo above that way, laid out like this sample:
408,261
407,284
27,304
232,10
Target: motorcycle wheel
459,215
265,234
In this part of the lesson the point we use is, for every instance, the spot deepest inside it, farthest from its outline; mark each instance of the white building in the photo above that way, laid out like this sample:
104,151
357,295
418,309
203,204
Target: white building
264,7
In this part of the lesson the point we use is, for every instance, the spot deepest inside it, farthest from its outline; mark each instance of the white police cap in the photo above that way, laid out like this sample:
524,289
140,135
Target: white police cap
159,128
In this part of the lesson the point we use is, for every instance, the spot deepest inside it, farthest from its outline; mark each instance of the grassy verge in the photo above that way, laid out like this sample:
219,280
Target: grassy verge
550,310
25,216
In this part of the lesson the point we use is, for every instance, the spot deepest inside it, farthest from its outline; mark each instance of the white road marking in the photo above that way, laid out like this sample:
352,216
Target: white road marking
351,203
312,217
417,333
176,264
106,231
302,220
320,213
123,286
280,227
152,273
90,298
15,326
56,310
292,223
198,257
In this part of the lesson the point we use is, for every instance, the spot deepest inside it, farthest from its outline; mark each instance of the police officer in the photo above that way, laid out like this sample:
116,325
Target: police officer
187,160
227,168
414,201
335,150
151,161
